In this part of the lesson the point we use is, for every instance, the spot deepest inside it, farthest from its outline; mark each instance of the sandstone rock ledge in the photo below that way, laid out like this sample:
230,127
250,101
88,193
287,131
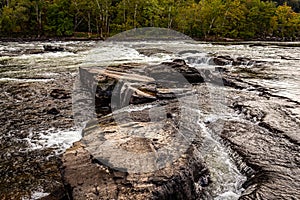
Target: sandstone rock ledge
147,151
89,179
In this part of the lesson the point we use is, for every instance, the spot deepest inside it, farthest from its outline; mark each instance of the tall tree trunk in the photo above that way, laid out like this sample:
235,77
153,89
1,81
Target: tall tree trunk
124,10
211,25
134,17
106,20
38,11
89,22
169,17
108,29
37,17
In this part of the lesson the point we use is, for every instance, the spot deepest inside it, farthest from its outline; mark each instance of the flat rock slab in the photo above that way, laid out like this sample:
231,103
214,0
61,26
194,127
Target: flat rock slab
92,180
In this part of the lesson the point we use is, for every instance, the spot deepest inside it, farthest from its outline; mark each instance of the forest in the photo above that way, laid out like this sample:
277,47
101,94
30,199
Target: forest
202,19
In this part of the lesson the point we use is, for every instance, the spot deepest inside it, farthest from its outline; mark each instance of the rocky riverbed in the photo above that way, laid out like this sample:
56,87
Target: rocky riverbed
36,108
225,128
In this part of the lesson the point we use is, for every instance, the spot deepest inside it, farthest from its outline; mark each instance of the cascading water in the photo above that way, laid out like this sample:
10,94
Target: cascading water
226,179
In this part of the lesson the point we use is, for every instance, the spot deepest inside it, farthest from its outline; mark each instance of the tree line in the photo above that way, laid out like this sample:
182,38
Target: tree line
203,19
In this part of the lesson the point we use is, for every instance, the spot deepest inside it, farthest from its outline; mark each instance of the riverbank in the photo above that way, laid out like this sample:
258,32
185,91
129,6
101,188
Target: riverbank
48,39
227,42
215,40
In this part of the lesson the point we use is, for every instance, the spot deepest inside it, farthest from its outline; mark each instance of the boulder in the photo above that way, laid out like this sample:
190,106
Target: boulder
227,60
117,86
177,72
223,60
53,48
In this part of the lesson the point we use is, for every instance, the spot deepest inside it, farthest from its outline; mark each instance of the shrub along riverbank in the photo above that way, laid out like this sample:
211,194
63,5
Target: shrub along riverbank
204,19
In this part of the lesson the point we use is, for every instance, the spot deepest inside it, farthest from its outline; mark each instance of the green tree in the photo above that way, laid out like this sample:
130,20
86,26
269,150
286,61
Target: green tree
15,17
209,19
37,14
59,18
258,15
7,21
286,22
186,19
232,20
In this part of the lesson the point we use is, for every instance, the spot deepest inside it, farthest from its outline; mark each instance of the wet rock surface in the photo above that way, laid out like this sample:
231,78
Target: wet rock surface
136,84
152,51
28,108
263,141
238,61
35,97
90,178
257,125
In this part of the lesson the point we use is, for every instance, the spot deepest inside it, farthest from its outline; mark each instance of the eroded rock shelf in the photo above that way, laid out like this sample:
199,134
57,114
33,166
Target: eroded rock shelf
149,146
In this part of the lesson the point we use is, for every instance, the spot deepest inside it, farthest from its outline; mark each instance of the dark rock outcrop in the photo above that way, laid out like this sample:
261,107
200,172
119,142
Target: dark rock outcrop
53,48
176,71
223,60
227,60
152,51
60,94
53,111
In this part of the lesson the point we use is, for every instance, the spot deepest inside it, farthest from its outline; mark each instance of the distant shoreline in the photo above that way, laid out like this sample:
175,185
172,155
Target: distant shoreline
42,39
216,41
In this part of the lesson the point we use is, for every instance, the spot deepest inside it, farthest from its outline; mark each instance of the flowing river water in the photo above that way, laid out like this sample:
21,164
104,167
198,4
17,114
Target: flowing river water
29,76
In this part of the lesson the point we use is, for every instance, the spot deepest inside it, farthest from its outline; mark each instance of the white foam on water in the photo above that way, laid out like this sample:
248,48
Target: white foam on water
39,193
112,53
228,195
226,179
26,80
48,74
288,88
138,108
121,52
48,55
59,140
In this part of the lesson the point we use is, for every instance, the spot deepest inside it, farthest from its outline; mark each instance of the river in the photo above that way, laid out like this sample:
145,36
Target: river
37,122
